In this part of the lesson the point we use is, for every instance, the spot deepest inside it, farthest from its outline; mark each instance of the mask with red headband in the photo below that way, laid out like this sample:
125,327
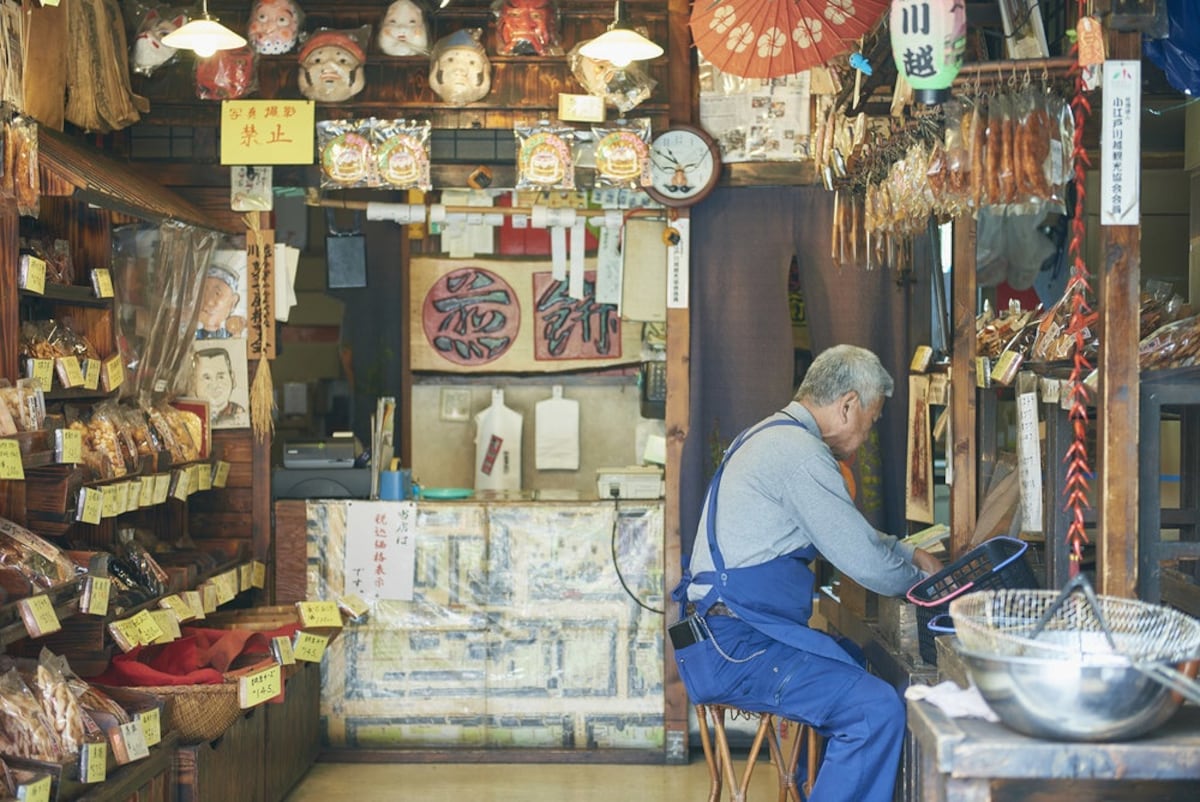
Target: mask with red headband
331,64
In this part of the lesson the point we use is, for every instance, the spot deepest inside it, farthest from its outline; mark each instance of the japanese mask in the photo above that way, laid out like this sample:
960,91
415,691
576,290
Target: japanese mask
149,53
227,74
331,65
403,31
274,26
526,28
459,70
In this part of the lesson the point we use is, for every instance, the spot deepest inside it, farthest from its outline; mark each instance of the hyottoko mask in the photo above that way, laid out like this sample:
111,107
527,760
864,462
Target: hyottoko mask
402,31
274,26
460,71
331,66
149,53
526,28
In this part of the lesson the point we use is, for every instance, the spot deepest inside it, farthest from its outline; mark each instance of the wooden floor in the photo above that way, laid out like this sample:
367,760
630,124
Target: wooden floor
374,782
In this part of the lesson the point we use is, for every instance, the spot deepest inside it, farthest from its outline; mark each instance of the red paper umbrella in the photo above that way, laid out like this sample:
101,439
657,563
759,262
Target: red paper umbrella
774,38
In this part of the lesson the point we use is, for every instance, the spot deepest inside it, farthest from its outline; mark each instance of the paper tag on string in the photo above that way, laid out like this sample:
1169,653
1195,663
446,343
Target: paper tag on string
1090,36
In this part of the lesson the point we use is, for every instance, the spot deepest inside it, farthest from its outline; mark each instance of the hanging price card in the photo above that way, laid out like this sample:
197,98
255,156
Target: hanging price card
96,590
245,576
319,614
225,590
183,485
90,506
309,647
35,790
151,725
146,494
69,371
32,276
125,634
122,489
93,762
10,460
176,604
204,477
281,648
168,622
91,374
114,373
261,686
147,627
68,445
38,614
102,283
353,606
258,574
162,487
43,371
109,495
208,596
135,740
221,474
133,499
195,601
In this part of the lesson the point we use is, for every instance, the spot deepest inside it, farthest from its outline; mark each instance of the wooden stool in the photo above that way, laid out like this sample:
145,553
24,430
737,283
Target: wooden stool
720,764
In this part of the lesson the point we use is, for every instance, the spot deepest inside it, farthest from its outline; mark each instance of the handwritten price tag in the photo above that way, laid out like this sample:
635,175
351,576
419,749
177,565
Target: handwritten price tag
353,605
96,594
93,762
168,622
151,725
245,576
91,374
208,597
221,475
109,495
34,275
258,574
319,614
176,604
114,373
35,791
91,505
125,634
162,487
10,460
122,502
261,686
146,496
309,647
43,371
133,498
195,601
70,372
204,477
135,740
281,648
38,614
71,448
102,283
148,629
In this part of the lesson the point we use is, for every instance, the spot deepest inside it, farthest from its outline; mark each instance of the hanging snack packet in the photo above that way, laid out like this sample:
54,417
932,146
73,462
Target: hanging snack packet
544,156
623,154
401,153
345,153
1060,164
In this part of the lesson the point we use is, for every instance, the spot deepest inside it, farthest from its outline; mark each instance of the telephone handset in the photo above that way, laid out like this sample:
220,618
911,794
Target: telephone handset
654,389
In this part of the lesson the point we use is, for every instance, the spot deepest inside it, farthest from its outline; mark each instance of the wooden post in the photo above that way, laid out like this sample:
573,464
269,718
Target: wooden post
964,495
1118,289
9,295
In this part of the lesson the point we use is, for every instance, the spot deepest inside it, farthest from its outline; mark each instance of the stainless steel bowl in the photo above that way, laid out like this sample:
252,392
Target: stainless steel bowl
1100,699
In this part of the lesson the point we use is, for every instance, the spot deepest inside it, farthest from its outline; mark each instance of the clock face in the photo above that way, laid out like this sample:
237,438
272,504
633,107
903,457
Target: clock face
685,164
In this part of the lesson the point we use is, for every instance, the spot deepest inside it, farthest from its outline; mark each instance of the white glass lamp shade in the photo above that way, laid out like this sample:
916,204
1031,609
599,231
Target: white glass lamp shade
620,47
204,36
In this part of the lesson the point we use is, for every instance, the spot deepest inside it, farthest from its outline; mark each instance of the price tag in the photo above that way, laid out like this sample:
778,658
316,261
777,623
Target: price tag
93,762
72,445
162,487
921,359
228,585
122,502
34,274
309,647
10,460
261,686
258,574
96,593
208,597
91,505
133,499
39,616
983,372
109,495
176,604
168,622
195,601
319,614
43,371
353,606
114,373
151,725
183,485
204,477
135,740
146,494
102,283
281,647
91,374
148,629
35,791
125,633
70,372
221,475
245,576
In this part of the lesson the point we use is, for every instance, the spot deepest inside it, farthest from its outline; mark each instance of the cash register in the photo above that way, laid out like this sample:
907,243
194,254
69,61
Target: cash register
324,467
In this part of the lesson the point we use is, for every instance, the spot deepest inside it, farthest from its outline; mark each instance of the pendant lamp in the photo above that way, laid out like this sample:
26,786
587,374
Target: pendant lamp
620,44
205,36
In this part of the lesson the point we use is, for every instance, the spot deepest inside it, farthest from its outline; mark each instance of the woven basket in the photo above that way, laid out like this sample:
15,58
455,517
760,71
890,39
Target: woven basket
199,712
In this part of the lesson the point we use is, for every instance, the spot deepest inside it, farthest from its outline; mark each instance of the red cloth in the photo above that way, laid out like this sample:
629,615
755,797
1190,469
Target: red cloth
201,657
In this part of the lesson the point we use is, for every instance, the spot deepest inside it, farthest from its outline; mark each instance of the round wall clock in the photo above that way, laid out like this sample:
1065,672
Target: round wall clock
685,164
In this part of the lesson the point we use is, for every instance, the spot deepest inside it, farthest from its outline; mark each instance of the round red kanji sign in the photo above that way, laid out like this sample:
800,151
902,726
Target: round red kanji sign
471,316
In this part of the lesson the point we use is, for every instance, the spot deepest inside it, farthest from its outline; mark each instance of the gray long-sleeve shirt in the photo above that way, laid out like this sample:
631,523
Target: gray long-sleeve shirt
781,491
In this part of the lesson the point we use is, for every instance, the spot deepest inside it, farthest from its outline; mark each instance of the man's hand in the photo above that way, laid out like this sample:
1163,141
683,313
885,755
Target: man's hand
926,561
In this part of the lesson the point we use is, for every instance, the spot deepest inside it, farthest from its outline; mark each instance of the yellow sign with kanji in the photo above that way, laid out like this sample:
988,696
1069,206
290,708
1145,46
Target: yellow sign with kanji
267,131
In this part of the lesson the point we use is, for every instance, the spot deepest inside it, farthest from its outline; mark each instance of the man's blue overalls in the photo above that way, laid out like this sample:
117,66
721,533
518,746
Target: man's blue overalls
767,660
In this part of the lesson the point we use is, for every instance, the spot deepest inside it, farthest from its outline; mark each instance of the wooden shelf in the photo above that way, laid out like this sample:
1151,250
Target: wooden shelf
69,293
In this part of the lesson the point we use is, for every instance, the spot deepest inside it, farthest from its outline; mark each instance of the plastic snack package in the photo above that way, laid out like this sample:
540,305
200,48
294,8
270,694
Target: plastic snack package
344,150
400,150
24,729
621,87
545,157
623,154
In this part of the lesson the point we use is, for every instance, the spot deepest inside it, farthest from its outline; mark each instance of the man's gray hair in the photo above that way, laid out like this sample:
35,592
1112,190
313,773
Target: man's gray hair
841,369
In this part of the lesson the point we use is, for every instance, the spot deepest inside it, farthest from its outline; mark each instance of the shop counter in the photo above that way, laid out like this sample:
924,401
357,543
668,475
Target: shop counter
531,624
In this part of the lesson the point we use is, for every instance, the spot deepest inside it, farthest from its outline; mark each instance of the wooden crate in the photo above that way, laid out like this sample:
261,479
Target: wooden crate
898,623
293,733
228,768
148,780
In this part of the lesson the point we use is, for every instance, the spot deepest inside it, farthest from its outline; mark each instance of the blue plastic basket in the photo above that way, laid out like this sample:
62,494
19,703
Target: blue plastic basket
997,563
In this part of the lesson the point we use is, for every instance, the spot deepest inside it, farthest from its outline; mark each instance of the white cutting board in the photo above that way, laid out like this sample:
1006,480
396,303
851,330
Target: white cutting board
498,446
556,433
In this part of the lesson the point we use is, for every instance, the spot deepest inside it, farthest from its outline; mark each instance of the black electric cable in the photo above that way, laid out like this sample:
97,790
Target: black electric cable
617,567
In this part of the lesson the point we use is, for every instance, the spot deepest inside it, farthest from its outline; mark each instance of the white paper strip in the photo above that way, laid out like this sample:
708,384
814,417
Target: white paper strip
1029,462
575,285
678,286
380,549
1120,144
608,264
558,253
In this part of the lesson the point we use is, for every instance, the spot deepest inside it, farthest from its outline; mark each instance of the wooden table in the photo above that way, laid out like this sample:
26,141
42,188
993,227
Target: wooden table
970,760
